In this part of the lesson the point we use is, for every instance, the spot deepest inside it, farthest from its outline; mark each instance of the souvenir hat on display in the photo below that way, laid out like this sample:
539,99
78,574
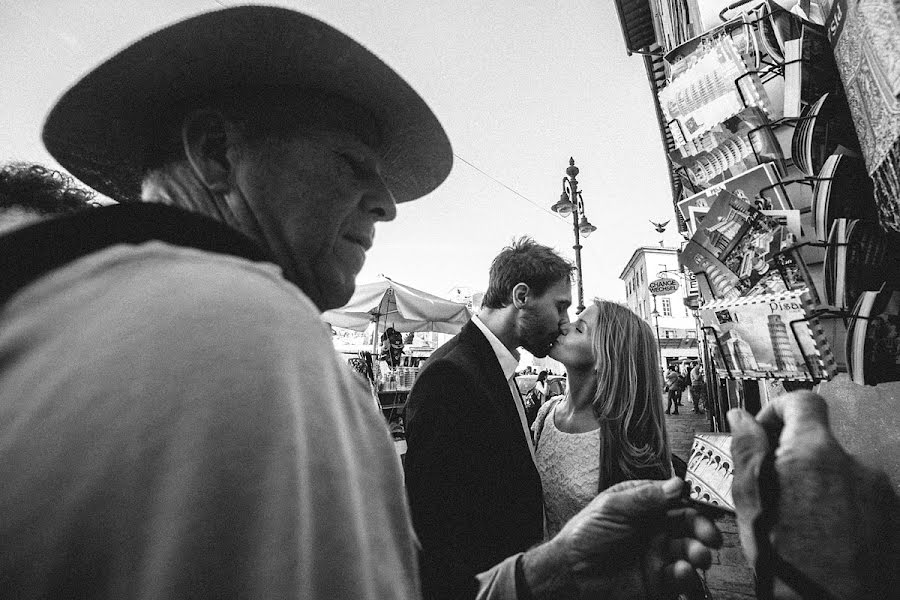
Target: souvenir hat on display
104,128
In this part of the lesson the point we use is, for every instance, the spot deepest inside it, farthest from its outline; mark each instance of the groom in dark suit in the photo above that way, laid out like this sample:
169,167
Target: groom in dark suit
473,486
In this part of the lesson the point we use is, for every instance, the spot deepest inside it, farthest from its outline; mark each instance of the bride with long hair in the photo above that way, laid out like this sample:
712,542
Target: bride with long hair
609,427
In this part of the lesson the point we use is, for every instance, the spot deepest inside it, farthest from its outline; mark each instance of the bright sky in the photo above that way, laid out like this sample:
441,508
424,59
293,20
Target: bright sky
519,87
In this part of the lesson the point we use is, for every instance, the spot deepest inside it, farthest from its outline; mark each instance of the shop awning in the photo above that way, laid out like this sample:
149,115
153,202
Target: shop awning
637,24
389,303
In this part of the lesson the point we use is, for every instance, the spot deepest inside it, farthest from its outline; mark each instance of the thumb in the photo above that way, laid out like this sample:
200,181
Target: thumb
748,438
749,446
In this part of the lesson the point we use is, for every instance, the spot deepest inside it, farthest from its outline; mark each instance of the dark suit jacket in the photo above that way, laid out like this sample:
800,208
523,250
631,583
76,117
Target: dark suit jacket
473,488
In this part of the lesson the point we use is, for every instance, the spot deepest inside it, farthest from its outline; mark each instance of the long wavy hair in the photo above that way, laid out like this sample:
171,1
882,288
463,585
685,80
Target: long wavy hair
628,400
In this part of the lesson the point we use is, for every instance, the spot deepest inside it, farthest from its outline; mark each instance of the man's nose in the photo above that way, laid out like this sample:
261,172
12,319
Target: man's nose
564,328
379,200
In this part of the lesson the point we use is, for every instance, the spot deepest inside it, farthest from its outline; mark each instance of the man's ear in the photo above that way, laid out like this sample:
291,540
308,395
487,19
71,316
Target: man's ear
520,295
206,136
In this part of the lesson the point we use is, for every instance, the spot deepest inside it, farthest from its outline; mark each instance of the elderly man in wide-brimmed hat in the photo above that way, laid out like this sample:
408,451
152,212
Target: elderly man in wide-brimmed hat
175,420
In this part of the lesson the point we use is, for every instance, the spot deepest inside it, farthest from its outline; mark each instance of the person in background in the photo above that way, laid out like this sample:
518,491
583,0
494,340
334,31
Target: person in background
176,422
540,387
32,192
684,381
535,397
609,428
474,491
698,388
672,390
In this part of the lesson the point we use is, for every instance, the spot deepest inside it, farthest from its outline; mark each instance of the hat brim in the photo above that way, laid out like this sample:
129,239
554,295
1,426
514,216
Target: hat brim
100,129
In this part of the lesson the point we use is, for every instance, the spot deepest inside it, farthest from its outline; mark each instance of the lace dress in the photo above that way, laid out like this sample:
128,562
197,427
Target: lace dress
569,465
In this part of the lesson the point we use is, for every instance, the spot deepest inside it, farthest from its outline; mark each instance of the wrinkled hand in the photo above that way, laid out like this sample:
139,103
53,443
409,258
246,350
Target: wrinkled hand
637,528
838,522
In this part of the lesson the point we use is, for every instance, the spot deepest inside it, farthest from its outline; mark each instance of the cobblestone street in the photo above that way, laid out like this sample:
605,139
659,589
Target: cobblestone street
729,578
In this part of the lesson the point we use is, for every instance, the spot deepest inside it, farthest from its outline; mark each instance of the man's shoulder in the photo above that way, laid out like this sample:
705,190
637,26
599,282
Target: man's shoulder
459,352
184,285
225,277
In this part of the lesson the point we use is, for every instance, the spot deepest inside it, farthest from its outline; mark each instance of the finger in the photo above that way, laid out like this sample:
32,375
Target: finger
643,500
692,551
688,523
749,442
805,431
629,485
793,410
680,576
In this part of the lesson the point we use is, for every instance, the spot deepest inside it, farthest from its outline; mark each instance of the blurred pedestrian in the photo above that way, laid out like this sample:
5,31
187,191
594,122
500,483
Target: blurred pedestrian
698,387
672,389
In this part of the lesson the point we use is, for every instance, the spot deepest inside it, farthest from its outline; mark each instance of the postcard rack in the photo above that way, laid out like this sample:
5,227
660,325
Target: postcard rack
813,372
808,181
791,122
771,126
822,314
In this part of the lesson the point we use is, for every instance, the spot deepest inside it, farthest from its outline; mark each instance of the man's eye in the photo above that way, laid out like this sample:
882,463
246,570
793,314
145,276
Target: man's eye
355,163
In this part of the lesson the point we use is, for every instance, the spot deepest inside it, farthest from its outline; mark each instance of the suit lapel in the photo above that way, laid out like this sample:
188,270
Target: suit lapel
492,373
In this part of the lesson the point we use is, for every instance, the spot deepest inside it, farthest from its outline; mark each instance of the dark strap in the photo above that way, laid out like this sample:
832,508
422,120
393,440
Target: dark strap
28,253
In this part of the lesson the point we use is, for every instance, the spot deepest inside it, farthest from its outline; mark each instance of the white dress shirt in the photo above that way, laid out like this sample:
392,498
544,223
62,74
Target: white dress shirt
509,360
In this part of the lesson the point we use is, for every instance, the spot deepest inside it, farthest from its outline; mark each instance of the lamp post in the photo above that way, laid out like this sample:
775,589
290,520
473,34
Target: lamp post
661,287
571,202
655,315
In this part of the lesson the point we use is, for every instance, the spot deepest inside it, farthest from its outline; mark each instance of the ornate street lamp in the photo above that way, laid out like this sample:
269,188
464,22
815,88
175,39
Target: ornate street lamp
571,202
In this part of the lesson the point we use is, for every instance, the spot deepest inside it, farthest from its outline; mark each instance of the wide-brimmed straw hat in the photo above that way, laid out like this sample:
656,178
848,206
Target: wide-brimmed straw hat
103,128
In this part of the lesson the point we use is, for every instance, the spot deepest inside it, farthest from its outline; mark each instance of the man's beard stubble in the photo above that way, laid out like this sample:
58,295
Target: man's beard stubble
533,335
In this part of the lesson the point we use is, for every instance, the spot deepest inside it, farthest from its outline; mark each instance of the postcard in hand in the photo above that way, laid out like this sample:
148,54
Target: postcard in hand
768,336
710,470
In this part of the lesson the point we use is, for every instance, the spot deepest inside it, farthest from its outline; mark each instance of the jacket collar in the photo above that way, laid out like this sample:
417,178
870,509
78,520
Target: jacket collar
509,360
28,253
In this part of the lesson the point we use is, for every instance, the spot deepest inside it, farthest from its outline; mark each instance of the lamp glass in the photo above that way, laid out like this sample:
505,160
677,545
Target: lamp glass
585,228
564,207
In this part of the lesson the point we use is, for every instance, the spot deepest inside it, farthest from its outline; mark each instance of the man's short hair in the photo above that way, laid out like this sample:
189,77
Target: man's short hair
40,190
524,261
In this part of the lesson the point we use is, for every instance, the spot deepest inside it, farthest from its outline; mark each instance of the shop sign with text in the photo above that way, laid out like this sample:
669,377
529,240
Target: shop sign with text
663,286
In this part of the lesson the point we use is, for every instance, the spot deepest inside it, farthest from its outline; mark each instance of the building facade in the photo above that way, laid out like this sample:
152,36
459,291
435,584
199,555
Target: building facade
673,322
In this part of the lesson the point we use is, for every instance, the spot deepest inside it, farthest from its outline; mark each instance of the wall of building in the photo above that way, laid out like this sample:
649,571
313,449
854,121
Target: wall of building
677,327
